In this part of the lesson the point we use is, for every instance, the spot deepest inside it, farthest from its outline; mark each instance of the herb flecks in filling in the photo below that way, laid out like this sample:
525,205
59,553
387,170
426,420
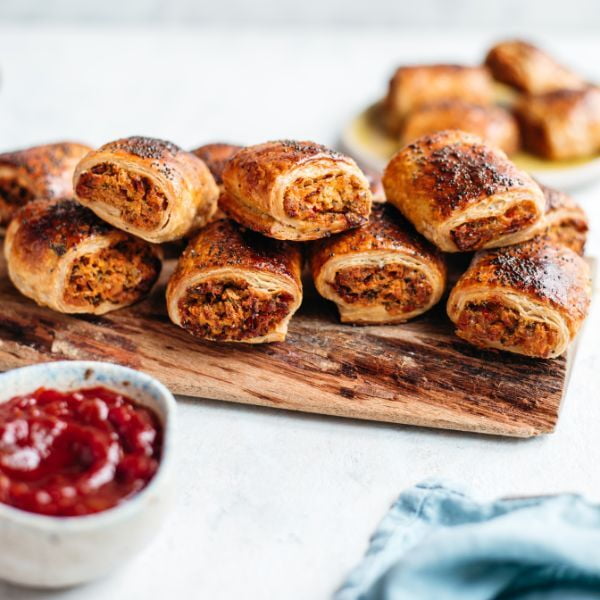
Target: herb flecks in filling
490,321
120,274
400,289
232,310
140,202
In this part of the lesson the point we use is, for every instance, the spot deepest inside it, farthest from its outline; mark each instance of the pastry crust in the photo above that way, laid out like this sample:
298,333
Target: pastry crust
292,190
566,222
215,157
39,172
147,187
414,86
529,298
383,272
492,123
462,194
62,256
234,285
562,124
529,69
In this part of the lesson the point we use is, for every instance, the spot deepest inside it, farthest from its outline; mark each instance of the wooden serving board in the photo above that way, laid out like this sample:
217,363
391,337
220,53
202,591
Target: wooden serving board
418,373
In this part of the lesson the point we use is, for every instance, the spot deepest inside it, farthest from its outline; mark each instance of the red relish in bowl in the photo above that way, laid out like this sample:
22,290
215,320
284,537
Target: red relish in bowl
75,453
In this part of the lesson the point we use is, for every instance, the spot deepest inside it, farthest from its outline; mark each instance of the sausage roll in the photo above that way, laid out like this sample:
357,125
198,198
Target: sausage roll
383,272
462,194
566,221
562,124
530,298
292,190
234,285
62,256
39,172
215,156
413,86
529,69
492,123
148,187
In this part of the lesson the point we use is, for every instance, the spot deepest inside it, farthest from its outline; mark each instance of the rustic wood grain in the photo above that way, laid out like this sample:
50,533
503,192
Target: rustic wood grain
418,373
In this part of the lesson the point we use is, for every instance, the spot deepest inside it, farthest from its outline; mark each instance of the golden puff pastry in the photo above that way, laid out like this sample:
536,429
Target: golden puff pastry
62,256
530,298
215,156
462,194
38,172
147,187
234,285
561,125
566,221
413,86
529,69
293,190
492,123
383,272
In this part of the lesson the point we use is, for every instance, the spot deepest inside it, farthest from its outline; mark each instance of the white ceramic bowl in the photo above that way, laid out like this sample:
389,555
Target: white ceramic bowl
42,551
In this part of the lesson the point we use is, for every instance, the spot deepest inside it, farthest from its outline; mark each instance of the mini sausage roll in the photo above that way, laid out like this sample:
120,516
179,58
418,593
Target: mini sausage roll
566,221
215,157
62,256
148,187
234,285
529,69
492,123
38,172
292,190
463,195
562,124
413,86
530,298
383,272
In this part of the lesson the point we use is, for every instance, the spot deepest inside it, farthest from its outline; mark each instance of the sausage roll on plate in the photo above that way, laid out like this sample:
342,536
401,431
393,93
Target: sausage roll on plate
413,86
383,272
492,123
561,125
566,221
234,285
530,298
39,172
529,69
292,190
148,187
62,256
462,194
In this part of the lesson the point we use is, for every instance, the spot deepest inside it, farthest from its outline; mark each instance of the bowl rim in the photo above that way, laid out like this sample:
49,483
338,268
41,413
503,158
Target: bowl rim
122,511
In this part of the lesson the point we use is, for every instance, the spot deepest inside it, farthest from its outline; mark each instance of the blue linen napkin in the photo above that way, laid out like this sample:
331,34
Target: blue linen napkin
437,543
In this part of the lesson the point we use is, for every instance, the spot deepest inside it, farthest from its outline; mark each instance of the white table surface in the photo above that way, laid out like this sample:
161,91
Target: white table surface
273,504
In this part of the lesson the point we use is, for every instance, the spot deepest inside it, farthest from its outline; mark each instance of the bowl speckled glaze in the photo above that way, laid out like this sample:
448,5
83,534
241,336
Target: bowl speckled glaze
50,552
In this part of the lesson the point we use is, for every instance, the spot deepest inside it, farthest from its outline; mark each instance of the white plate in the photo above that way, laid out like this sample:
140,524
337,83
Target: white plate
372,148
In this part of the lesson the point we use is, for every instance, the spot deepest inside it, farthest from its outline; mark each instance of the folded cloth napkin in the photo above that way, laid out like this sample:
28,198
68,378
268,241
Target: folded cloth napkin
436,543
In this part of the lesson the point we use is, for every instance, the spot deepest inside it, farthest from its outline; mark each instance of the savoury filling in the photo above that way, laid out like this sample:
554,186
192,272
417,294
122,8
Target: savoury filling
327,197
13,195
400,289
485,322
230,309
119,274
475,234
140,202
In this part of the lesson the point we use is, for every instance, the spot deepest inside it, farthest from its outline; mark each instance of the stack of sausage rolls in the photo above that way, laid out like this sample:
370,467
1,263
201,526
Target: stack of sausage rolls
248,216
544,107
